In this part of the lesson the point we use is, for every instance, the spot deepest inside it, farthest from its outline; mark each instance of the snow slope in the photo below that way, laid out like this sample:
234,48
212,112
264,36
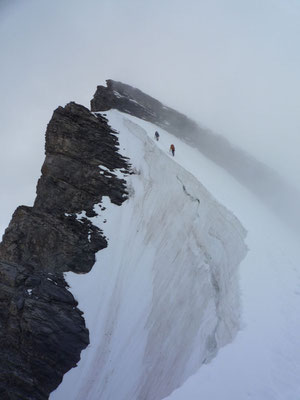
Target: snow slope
263,361
163,297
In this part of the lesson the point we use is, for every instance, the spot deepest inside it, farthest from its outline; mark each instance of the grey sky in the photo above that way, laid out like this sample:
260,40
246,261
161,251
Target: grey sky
232,65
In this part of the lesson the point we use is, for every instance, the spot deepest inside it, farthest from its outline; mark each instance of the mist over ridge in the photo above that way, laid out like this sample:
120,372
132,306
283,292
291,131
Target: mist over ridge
232,67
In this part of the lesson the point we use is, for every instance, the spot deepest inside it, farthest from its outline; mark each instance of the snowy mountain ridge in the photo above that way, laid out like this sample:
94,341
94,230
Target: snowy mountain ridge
171,299
264,182
168,310
263,360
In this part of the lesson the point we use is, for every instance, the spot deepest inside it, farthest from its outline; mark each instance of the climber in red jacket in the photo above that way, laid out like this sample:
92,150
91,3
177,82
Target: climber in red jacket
172,149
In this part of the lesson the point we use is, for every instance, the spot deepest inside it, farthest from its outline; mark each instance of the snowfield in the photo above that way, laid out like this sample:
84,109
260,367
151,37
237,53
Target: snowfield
164,297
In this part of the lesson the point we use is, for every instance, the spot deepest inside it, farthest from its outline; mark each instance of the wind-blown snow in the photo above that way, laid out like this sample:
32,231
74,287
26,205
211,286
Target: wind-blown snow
163,297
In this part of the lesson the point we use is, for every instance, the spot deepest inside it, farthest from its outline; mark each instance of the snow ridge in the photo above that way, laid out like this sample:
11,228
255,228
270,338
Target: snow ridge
163,297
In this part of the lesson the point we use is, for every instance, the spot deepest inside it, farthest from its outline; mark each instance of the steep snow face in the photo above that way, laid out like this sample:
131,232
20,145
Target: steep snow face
163,297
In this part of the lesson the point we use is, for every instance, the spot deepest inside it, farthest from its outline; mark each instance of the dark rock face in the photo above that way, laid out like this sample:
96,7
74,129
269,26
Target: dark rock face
32,239
42,330
77,142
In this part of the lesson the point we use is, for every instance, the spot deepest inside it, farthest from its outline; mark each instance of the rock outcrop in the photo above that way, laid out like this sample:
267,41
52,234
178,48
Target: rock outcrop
42,330
130,100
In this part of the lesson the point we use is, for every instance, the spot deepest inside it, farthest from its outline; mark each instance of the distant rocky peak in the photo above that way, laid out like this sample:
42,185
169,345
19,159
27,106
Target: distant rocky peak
130,100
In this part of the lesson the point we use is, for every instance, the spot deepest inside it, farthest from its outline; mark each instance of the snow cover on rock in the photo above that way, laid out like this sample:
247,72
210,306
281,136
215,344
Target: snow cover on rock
163,297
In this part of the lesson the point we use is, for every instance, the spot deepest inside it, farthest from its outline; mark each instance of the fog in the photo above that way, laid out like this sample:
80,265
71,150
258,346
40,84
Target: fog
232,66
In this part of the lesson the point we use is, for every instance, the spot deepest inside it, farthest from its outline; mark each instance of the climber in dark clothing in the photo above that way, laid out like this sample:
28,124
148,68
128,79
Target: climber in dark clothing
172,149
156,135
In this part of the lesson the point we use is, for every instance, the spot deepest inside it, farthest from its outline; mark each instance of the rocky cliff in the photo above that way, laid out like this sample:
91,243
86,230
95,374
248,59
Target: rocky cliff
42,330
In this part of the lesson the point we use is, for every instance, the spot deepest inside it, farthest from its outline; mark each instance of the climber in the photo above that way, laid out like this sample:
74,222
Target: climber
172,149
156,135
